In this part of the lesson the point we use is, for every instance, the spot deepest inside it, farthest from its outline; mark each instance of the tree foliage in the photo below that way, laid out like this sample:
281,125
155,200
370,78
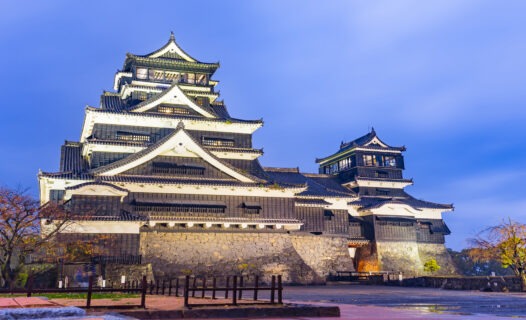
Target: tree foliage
505,242
468,266
431,265
20,230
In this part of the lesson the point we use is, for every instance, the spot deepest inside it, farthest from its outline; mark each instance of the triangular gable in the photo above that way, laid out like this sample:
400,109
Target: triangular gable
171,49
178,143
376,140
172,95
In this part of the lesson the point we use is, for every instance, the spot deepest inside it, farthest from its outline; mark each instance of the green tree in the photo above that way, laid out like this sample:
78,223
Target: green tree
505,242
431,265
20,230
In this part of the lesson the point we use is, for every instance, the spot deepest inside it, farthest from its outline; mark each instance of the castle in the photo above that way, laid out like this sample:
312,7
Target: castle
164,169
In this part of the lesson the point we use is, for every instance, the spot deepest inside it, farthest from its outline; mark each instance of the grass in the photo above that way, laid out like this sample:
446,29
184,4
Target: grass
112,296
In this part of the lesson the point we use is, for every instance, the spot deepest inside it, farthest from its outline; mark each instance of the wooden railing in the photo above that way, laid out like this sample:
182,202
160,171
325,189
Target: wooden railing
230,288
141,289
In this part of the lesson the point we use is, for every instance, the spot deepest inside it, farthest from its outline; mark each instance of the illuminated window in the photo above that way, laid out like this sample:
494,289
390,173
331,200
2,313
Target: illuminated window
218,142
344,164
389,161
369,160
142,96
142,73
173,110
132,136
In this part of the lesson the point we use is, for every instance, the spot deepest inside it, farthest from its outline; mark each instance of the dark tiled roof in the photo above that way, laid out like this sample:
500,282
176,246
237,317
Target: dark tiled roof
361,142
233,149
436,225
123,216
368,203
71,157
224,220
221,110
315,202
96,183
168,63
118,142
318,185
112,102
274,169
383,179
179,117
192,181
158,144
67,175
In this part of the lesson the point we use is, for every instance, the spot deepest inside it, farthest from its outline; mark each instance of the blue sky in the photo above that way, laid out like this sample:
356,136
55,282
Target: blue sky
444,78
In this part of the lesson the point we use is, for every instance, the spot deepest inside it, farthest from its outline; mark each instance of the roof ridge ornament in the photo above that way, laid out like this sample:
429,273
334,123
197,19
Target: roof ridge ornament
172,36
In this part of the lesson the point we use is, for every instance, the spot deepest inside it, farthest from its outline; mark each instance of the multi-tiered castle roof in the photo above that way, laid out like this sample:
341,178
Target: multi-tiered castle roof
161,149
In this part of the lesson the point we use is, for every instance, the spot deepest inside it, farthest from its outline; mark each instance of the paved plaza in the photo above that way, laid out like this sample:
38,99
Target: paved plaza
419,302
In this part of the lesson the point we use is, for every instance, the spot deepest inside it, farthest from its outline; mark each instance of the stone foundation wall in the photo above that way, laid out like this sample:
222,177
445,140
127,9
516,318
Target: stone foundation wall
299,258
439,252
132,272
399,256
409,257
323,254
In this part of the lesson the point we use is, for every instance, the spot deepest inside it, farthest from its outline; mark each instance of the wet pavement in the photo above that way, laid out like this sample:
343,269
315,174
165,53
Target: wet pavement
432,301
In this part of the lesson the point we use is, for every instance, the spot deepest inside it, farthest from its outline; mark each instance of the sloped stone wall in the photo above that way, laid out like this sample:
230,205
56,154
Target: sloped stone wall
409,257
298,258
399,256
323,254
439,252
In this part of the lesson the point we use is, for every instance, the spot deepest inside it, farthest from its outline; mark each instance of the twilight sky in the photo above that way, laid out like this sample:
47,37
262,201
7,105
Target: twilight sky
444,78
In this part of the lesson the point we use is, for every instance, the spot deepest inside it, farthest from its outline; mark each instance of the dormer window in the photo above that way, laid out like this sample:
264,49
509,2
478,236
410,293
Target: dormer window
173,168
251,207
173,110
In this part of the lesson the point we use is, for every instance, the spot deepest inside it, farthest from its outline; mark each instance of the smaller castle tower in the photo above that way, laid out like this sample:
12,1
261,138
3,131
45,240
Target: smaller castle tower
404,232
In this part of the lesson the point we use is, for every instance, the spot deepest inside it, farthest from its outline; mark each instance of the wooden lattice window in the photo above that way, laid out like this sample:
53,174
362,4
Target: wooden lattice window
132,136
251,207
217,142
173,168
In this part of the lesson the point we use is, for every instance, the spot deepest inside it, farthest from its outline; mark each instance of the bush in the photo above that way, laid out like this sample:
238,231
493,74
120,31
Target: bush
431,265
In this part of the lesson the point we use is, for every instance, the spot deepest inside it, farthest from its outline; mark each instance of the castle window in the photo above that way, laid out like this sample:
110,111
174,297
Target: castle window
369,160
173,168
251,207
56,195
142,96
142,73
389,161
381,174
132,136
345,164
217,142
180,206
172,110
382,192
202,79
327,215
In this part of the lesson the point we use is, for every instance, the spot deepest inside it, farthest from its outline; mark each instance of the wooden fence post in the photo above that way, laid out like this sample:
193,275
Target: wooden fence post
280,290
227,285
29,285
143,292
214,288
256,287
240,287
234,291
90,287
193,286
204,287
272,290
186,288
170,288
